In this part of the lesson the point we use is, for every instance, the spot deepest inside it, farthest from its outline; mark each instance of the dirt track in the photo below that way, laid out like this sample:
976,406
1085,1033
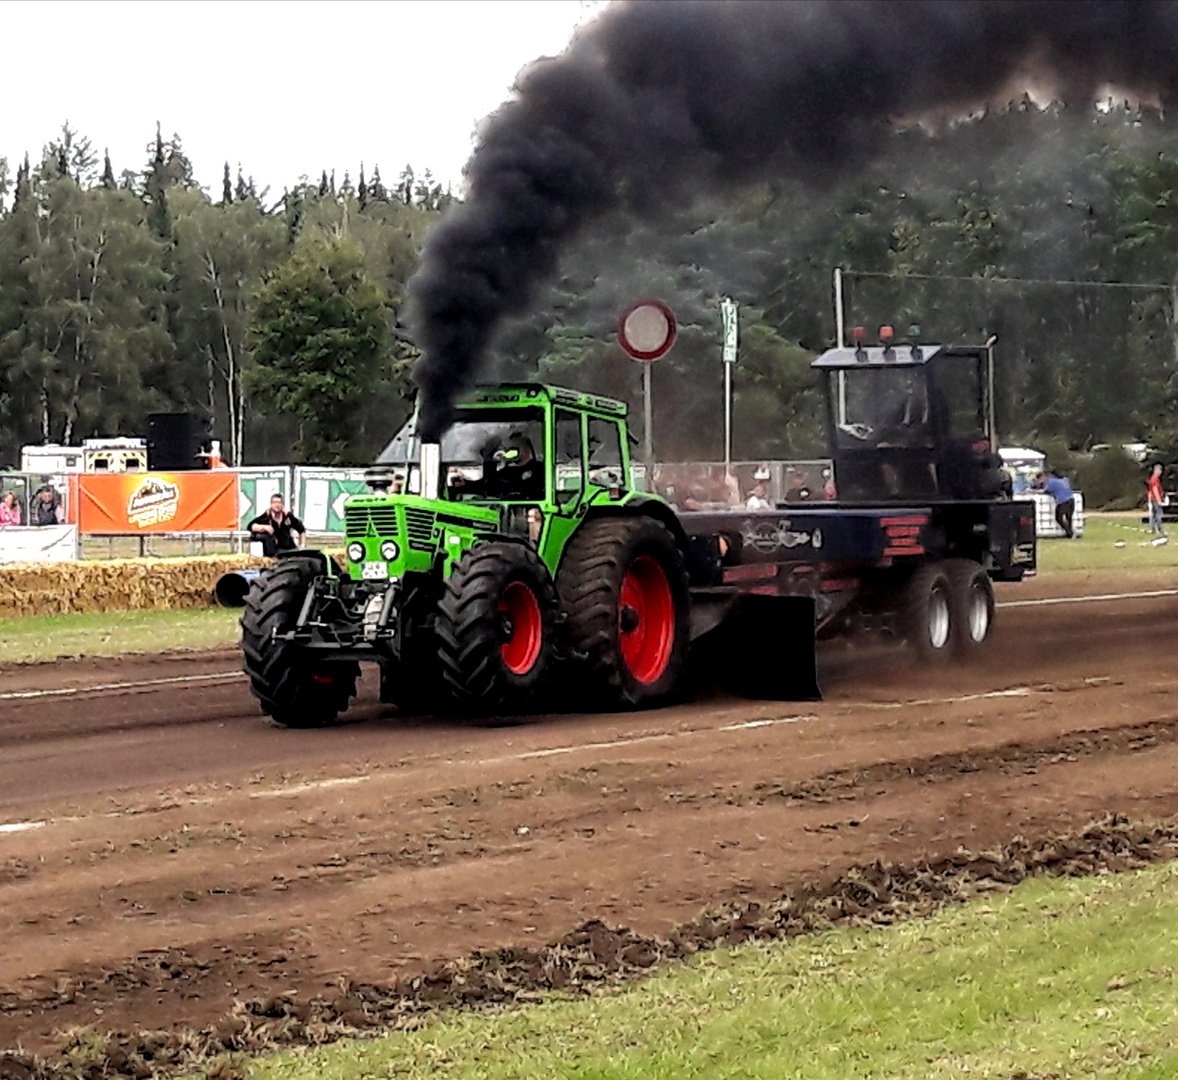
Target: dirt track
163,850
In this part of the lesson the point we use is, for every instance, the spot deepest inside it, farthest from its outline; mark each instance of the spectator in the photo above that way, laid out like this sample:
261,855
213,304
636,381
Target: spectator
46,510
277,529
1156,498
796,488
9,509
757,499
1065,502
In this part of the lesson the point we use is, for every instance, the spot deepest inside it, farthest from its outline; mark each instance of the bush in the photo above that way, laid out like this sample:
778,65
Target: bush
1110,480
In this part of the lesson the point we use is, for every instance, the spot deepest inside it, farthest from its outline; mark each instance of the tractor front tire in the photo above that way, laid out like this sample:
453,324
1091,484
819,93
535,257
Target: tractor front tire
624,592
495,628
294,692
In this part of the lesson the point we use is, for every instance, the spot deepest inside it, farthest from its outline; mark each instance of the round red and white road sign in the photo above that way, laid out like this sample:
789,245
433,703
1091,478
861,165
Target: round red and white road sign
647,330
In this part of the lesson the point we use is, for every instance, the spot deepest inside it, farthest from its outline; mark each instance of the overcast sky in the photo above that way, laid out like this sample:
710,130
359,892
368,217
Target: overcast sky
286,87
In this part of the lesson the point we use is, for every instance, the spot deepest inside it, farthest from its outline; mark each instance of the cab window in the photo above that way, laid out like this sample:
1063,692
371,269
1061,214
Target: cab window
605,453
570,462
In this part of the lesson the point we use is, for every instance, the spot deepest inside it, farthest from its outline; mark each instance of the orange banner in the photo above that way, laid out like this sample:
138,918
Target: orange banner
157,502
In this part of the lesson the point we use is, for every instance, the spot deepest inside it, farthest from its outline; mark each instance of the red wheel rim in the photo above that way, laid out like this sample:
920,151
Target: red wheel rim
646,619
523,628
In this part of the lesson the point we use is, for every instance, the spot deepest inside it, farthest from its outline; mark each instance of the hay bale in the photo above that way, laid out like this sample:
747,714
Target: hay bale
114,585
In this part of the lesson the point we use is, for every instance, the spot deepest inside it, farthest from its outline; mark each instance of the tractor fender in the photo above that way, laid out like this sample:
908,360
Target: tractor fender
327,564
644,507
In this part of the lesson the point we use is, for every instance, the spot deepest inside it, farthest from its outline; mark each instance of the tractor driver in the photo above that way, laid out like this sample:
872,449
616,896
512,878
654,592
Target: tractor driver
521,475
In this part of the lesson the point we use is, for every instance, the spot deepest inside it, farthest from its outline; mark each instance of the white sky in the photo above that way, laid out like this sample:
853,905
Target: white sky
286,87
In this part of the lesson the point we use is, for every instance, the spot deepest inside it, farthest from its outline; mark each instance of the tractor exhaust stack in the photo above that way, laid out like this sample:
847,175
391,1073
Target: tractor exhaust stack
431,469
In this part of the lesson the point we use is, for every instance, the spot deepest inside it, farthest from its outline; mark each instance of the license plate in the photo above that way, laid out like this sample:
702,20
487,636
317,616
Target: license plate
375,571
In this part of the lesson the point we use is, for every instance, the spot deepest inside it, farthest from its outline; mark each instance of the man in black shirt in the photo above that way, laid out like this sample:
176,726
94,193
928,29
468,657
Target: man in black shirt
521,476
277,530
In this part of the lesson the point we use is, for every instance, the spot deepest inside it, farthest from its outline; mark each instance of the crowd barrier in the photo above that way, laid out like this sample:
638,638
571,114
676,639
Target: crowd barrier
1045,523
46,543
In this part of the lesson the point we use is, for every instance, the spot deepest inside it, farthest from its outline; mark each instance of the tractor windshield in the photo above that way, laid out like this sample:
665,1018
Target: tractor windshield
486,454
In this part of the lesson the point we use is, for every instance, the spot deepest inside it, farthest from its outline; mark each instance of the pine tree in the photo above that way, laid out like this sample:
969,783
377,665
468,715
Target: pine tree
362,189
226,187
178,167
323,185
155,188
108,174
23,188
405,185
245,188
376,190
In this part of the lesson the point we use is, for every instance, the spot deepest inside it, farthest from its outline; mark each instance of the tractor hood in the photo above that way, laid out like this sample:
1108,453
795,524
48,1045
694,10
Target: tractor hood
390,535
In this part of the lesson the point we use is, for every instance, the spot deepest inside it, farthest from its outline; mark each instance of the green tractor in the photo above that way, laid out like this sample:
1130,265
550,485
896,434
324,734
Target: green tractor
480,569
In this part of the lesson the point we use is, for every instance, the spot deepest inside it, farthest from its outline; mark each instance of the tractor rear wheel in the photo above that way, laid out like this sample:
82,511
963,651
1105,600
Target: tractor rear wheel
495,628
971,595
623,589
927,612
293,691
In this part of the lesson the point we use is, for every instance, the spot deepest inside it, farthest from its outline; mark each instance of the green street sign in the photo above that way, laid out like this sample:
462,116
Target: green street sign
729,312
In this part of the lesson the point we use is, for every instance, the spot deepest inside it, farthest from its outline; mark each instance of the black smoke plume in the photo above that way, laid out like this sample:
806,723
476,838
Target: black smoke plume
663,100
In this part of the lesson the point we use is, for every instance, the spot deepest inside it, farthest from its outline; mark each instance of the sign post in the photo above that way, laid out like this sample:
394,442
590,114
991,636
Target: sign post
646,331
729,310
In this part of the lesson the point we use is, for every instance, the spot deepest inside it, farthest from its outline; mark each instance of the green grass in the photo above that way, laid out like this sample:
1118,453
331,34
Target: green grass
1097,550
44,637
1070,978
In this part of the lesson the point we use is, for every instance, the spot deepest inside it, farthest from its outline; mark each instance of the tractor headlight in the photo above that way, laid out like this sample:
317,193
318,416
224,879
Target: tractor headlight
389,550
356,551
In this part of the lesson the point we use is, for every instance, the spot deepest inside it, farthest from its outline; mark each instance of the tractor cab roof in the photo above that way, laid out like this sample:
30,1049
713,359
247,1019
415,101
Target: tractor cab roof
403,447
541,393
877,356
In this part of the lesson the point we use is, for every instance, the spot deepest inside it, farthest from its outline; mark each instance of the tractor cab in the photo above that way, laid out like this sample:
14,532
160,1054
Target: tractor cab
519,444
520,461
910,422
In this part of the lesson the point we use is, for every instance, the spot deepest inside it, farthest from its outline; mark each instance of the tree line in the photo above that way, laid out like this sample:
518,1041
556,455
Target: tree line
281,317
122,296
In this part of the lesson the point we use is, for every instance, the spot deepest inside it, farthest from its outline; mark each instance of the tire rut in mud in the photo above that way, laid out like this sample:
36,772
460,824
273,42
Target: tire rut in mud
1022,758
592,956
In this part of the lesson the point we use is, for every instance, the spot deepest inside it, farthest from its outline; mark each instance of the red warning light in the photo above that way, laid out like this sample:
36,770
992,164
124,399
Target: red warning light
886,333
858,334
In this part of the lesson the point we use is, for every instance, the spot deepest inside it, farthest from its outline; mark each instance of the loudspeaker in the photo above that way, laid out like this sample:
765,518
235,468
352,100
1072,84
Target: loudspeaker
176,441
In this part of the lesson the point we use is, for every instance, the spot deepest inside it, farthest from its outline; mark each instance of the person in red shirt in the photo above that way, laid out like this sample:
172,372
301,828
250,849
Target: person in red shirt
1156,498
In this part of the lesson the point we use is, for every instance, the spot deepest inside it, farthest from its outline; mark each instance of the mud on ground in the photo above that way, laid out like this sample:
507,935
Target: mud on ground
166,855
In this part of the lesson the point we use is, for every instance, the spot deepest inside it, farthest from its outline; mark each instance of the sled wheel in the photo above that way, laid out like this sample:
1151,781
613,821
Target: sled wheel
928,614
971,594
